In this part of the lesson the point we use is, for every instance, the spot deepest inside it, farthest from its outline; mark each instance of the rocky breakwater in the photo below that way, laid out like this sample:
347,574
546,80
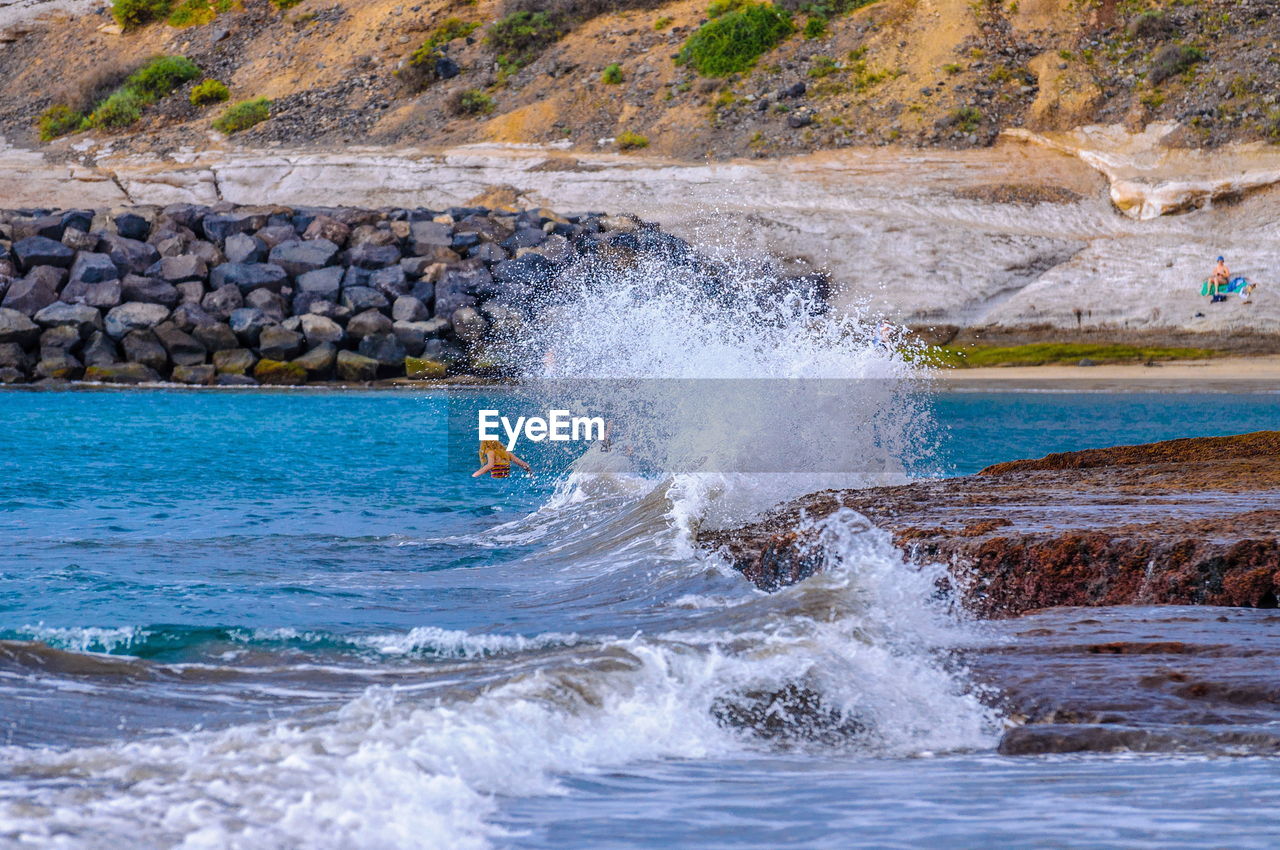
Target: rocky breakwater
232,295
1192,522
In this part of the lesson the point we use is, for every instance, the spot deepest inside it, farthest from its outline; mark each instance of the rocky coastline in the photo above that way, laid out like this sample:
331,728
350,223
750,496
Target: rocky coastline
243,296
1183,522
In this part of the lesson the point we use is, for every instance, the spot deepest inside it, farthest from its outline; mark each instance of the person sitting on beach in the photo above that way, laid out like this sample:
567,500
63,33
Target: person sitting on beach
497,460
1219,278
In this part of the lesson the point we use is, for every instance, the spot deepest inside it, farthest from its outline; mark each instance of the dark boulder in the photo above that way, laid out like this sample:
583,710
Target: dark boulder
414,335
319,361
244,248
184,349
93,268
524,237
201,374
17,328
279,343
390,281
48,226
42,251
31,294
149,290
219,226
122,373
188,316
272,305
279,373
327,227
82,318
247,324
468,325
319,330
424,235
216,337
409,309
190,291
356,367
249,276
361,298
64,337
231,380
424,290
220,302
100,350
275,234
13,356
234,361
134,316
370,256
183,267
143,347
59,364
103,295
131,256
488,252
130,225
384,348
366,323
298,257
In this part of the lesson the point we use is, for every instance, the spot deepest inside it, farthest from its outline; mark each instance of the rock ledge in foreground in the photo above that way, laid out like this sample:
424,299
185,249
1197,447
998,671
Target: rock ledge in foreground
1193,521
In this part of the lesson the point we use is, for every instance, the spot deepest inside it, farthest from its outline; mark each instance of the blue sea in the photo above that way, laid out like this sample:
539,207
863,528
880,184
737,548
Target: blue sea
279,619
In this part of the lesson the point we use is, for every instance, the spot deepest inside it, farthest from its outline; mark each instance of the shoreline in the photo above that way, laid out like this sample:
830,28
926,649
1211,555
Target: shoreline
1225,374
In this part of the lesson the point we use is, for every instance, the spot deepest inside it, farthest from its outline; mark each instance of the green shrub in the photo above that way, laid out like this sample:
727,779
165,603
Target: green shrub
194,13
121,109
451,29
520,37
815,27
209,91
662,23
967,118
612,75
1171,60
473,102
823,66
282,5
734,41
135,13
243,115
629,141
161,76
722,7
58,120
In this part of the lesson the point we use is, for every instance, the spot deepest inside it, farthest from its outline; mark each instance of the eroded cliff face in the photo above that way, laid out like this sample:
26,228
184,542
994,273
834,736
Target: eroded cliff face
1193,522
949,73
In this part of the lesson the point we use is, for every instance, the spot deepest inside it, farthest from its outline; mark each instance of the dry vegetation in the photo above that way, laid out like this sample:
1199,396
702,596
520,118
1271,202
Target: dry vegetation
693,78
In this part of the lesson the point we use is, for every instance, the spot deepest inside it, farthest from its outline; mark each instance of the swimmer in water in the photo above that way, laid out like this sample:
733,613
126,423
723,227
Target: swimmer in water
497,460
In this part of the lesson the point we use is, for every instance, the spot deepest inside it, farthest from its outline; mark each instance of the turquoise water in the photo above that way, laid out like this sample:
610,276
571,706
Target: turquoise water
221,584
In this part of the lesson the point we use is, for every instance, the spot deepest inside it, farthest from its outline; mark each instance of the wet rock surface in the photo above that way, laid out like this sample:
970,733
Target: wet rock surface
1135,679
1104,577
1192,521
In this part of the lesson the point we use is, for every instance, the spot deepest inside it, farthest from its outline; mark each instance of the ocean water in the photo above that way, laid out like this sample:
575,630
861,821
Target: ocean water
274,619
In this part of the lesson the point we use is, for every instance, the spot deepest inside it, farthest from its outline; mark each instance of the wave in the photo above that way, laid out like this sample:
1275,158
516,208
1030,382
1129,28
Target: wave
179,642
849,658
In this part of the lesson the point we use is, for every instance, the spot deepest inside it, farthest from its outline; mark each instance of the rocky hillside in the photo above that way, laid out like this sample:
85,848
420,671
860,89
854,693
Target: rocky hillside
682,78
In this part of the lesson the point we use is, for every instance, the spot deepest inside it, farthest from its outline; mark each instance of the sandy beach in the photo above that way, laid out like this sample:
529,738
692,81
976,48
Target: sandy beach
1234,373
